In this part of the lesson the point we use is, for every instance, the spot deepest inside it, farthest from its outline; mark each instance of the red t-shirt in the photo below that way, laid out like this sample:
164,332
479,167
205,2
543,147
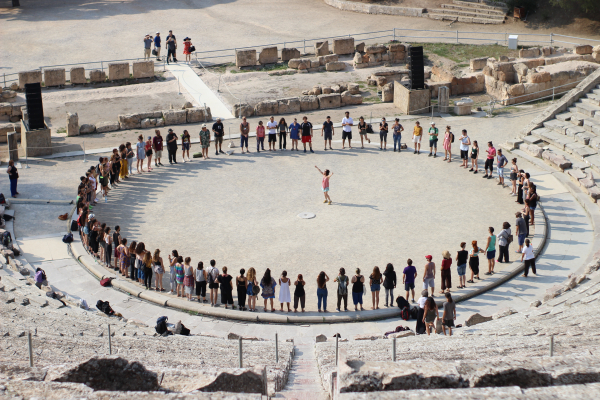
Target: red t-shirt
446,263
260,131
491,153
158,143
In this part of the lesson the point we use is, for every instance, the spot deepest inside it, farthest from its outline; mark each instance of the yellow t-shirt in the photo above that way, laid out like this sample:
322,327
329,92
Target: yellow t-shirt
418,131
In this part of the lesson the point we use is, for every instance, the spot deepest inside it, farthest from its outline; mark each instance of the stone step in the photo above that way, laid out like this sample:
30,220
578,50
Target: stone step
500,6
566,116
579,149
594,162
556,139
592,98
533,138
481,11
586,109
557,126
468,20
466,13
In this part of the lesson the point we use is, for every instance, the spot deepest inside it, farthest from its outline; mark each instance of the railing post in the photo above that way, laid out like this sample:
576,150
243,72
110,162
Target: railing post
457,36
394,34
109,340
4,79
552,94
304,52
276,349
336,349
240,351
26,162
551,38
102,66
394,349
551,345
84,160
30,345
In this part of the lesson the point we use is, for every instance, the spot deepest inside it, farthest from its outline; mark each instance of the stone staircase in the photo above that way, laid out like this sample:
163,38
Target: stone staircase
469,12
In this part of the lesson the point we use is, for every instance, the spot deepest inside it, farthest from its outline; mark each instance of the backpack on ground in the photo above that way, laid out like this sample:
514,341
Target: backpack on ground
343,285
74,226
68,238
6,238
161,325
405,313
402,302
16,252
2,199
105,307
106,282
414,312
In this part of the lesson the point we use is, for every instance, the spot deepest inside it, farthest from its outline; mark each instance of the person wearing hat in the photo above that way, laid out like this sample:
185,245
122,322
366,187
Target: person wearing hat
172,146
187,45
433,140
327,131
417,134
205,141
445,272
219,132
429,275
157,145
147,46
157,44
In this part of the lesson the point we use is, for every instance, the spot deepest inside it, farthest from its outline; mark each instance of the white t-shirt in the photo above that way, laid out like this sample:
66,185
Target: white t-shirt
93,182
347,128
272,127
463,143
528,251
422,301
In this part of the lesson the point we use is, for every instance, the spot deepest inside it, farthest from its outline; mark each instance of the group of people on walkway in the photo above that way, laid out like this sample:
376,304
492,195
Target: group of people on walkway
153,45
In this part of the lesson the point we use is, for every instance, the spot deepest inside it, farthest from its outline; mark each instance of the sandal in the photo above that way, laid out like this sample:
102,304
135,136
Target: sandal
471,281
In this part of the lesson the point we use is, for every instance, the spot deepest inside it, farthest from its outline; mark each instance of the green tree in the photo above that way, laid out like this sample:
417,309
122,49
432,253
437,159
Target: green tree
587,6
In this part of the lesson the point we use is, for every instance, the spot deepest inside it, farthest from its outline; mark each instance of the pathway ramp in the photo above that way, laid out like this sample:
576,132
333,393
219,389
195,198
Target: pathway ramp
202,94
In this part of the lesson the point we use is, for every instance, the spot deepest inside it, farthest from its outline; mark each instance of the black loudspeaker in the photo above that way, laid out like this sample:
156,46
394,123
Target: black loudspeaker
35,109
417,68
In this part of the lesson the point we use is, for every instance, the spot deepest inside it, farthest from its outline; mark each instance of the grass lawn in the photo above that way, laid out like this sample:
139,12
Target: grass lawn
462,53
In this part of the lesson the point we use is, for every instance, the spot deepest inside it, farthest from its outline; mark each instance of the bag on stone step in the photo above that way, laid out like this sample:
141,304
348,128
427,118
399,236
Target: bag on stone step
154,52
105,307
180,329
105,282
6,239
405,314
402,302
414,312
74,226
369,128
68,238
2,199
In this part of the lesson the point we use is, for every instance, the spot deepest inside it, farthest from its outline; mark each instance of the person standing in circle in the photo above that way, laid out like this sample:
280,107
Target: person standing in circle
322,280
212,274
397,129
375,284
250,289
186,141
157,45
299,293
141,154
465,142
201,282
461,264
474,156
205,141
159,270
241,283
187,44
489,161
474,261
358,285
342,292
157,145
529,258
408,278
219,132
325,183
347,123
268,284
448,139
307,133
172,146
225,280
284,291
433,140
148,149
417,134
429,275
503,242
282,127
500,164
294,134
514,171
327,132
491,251
383,132
244,132
362,131
260,137
389,284
13,176
272,127
188,279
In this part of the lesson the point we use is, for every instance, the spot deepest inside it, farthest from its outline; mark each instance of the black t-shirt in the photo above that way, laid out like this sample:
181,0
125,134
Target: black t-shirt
299,290
218,128
383,127
327,126
357,287
13,174
306,128
225,282
462,257
173,144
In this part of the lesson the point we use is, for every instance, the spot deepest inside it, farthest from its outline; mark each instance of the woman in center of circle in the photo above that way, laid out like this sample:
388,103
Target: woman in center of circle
322,280
375,282
250,289
267,283
225,280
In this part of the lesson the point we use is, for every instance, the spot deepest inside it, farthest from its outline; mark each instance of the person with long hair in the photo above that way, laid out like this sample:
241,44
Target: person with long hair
284,291
148,270
445,273
141,154
172,274
375,284
148,152
474,157
123,257
241,282
226,282
123,173
533,198
430,315
267,283
325,183
503,238
140,250
212,274
201,282
342,289
299,293
529,258
188,278
358,289
491,251
13,176
322,280
186,142
282,127
448,136
252,283
449,314
389,283
179,276
159,270
474,261
514,173
132,258
108,250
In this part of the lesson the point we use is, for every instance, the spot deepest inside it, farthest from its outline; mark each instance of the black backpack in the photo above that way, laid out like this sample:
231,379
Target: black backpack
414,312
105,307
6,238
402,303
161,325
74,226
405,314
68,238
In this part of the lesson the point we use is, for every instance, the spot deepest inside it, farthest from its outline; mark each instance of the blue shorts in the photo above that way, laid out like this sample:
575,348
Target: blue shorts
140,273
186,146
376,287
357,298
491,254
327,135
461,269
409,286
326,189
521,238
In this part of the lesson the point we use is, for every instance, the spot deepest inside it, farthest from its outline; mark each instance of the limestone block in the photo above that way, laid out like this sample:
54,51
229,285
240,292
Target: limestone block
34,76
516,90
596,56
478,63
304,66
360,47
354,88
323,60
148,123
314,63
558,160
476,319
592,267
6,109
309,103
375,49
463,107
143,69
197,114
117,71
504,313
77,75
322,48
387,93
243,110
288,54
531,87
129,121
529,53
268,55
295,62
343,46
327,101
87,128
335,66
107,126
321,338
315,91
539,77
97,75
396,47
240,380
547,50
289,105
175,117
583,49
396,56
532,149
72,124
350,99
267,107
54,77
8,95
245,58
326,90
336,89
521,69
